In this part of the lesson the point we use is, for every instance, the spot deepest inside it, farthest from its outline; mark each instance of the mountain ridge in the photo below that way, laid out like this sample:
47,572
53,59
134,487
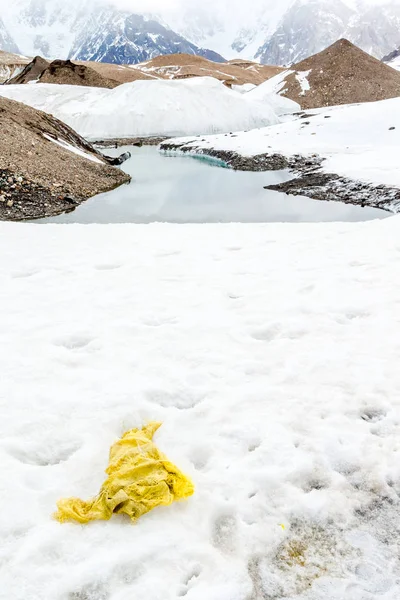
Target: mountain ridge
271,33
90,32
292,30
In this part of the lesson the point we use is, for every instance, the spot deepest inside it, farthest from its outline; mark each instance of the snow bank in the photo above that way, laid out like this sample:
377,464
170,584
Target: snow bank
269,94
270,354
360,141
276,84
144,108
244,88
73,149
302,78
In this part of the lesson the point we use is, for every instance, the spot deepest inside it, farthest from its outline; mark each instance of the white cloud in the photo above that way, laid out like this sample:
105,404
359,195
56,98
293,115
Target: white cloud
214,6
167,5
146,6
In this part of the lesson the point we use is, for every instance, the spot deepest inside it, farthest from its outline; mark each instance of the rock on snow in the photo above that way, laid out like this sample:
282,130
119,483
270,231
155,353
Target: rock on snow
146,108
270,354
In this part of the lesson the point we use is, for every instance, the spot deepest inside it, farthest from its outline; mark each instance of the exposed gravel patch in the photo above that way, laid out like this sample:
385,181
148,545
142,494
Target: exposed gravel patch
136,141
45,167
21,199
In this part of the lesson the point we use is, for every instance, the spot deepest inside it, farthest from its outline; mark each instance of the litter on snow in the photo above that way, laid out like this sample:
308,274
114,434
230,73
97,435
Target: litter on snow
140,478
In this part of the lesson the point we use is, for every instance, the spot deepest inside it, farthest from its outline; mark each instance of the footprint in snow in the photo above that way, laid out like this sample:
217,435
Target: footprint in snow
44,455
277,331
200,457
25,274
74,342
94,591
189,581
182,400
107,267
372,415
167,253
224,532
253,446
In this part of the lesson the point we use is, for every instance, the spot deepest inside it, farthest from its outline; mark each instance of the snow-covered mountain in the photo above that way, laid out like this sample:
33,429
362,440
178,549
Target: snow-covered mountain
289,30
311,25
89,31
6,41
129,38
231,27
269,31
393,59
305,29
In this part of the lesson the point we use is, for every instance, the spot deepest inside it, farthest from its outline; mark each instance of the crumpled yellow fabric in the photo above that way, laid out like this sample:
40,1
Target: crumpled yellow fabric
140,478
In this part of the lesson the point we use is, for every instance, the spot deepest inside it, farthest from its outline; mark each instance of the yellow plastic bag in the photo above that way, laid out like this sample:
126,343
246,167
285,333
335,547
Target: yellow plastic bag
140,478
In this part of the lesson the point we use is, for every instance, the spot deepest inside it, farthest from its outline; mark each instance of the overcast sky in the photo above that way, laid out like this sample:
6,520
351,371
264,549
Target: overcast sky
164,7
151,5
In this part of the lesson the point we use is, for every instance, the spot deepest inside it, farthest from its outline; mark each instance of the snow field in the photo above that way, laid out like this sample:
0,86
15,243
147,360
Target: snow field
268,93
270,354
147,108
274,85
359,141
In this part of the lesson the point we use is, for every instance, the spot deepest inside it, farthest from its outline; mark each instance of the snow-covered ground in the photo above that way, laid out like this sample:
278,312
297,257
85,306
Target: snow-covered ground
269,94
359,141
270,353
144,108
274,85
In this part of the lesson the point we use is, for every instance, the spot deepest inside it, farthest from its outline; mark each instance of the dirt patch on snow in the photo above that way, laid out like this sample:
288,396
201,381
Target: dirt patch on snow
45,167
341,74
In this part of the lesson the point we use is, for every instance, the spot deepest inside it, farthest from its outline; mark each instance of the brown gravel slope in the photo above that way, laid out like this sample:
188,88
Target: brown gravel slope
63,72
31,72
341,74
10,63
118,73
38,177
181,66
265,71
108,75
172,66
67,73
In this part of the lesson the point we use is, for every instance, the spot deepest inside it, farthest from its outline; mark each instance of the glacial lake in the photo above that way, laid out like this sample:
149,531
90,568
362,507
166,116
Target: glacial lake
184,189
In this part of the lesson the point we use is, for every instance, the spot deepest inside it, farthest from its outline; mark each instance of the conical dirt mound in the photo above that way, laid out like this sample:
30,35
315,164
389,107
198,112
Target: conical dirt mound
341,74
68,73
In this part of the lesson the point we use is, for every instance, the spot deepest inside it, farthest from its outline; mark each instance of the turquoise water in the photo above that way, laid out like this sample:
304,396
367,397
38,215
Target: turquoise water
181,189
